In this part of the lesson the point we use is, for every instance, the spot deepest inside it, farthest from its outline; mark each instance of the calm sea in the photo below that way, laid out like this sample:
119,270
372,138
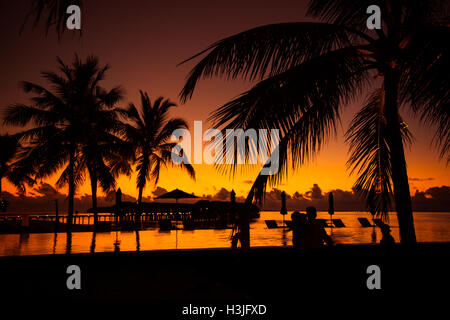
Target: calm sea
430,227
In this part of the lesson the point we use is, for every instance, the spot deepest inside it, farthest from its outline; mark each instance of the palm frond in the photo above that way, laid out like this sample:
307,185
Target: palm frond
303,103
425,82
370,155
265,51
52,12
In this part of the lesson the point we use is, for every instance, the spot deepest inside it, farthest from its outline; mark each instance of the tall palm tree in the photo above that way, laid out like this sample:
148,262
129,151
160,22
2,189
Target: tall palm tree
103,153
308,72
10,168
150,133
66,120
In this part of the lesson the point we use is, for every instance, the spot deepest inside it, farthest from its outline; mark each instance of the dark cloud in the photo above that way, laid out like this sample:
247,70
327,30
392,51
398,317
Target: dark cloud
421,179
433,199
42,200
46,190
159,191
315,193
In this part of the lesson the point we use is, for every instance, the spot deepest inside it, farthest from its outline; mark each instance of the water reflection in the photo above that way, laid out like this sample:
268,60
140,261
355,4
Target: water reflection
68,242
284,238
92,248
117,243
429,227
374,235
138,244
55,241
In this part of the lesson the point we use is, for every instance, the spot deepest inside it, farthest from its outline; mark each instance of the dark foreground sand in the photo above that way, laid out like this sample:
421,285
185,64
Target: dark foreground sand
281,278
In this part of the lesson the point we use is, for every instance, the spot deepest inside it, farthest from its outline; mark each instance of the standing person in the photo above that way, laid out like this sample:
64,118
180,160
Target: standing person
316,233
244,229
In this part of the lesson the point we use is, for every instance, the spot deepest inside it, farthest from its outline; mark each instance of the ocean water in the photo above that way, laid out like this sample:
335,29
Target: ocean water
430,227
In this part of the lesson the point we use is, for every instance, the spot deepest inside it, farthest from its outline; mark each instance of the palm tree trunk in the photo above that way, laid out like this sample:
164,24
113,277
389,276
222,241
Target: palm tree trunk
137,216
71,187
93,178
402,194
141,189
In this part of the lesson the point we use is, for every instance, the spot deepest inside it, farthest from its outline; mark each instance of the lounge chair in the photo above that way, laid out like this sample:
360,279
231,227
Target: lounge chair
338,223
165,225
323,222
365,223
272,224
288,223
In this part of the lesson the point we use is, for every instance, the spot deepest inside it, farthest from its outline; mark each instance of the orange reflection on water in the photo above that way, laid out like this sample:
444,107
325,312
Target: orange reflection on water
430,227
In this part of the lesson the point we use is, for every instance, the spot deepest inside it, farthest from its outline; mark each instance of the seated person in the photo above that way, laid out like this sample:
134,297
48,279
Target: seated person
298,228
316,233
387,239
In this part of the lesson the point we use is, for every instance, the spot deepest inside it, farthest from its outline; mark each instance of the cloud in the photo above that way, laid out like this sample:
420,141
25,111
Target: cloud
315,192
42,200
421,179
46,190
158,192
433,199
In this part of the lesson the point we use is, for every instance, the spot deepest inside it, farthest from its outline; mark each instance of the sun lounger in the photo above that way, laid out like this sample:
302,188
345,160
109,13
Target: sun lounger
272,224
338,223
365,223
288,223
165,225
323,222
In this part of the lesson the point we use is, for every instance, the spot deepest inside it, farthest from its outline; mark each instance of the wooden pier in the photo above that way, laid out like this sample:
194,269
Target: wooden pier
201,215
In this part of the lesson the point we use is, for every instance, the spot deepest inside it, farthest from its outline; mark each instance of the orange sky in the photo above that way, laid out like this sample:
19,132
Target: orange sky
144,41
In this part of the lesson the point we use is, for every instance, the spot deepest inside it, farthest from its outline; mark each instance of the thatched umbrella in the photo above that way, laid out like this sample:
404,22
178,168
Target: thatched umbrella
176,194
283,210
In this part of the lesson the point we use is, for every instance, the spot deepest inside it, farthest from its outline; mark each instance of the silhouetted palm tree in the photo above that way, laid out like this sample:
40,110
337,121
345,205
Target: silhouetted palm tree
150,133
102,151
310,70
73,127
9,167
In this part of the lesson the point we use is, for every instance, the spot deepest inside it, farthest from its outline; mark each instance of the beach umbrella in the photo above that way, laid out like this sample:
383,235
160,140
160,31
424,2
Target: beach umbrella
118,197
331,205
283,205
176,194
233,203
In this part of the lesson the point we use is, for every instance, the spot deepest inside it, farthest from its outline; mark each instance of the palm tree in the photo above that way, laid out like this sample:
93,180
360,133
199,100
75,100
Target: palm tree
10,169
66,121
308,72
150,133
103,153
105,160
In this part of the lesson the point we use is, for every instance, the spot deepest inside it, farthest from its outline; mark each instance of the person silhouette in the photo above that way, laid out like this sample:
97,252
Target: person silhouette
298,228
316,234
387,239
